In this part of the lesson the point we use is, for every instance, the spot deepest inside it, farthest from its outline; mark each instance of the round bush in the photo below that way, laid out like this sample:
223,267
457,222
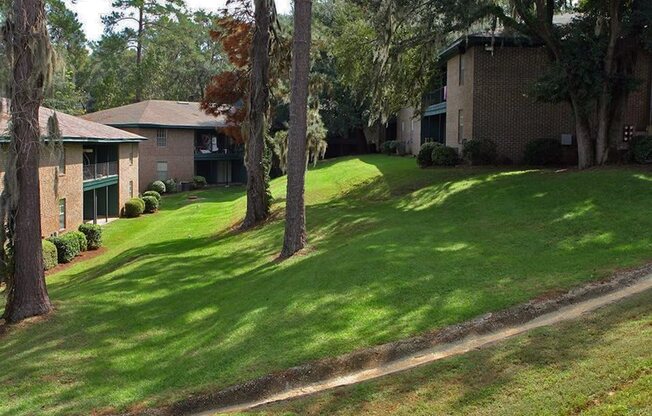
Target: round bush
199,182
67,247
424,157
83,243
444,156
151,204
641,149
93,233
154,194
157,186
50,257
543,152
389,147
170,186
480,151
134,208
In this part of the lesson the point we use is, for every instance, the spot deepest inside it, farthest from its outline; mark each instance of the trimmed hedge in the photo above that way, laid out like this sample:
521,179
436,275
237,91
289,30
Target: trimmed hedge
444,156
67,247
543,152
83,243
151,204
199,182
480,151
50,256
154,194
134,207
170,186
157,186
424,157
93,233
390,146
641,149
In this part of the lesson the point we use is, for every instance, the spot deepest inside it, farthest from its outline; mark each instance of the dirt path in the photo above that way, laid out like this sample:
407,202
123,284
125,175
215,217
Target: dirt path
445,350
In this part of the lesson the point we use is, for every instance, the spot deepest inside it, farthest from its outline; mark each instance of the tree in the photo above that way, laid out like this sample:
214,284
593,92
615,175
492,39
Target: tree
30,56
145,15
315,141
295,215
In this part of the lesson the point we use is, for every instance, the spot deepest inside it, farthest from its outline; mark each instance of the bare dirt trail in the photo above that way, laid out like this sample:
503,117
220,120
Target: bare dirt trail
444,350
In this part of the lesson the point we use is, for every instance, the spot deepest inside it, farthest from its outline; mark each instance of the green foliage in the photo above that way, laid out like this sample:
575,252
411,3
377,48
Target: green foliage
199,182
81,238
93,233
68,247
50,257
154,194
171,186
541,152
390,146
424,157
641,149
444,156
157,186
151,204
134,207
480,151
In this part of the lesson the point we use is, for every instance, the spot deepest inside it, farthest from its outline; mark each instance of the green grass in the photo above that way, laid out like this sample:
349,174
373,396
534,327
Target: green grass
178,304
599,365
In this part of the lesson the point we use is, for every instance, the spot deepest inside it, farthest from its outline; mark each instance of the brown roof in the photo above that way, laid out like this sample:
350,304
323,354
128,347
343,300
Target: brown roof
73,129
157,113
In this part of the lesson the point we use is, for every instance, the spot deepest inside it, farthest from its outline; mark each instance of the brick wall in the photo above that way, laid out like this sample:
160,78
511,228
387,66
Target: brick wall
128,171
179,153
460,97
408,130
638,111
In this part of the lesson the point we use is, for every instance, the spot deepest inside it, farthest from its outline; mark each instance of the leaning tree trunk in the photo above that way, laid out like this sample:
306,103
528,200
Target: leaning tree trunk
28,43
295,215
257,197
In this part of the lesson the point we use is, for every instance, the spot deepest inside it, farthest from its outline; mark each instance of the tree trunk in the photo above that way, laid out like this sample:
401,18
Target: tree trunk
139,55
295,216
585,147
27,295
257,198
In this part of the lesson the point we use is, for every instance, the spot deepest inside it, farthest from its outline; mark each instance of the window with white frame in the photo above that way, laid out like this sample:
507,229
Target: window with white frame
460,126
131,189
461,69
62,214
62,161
161,137
131,154
162,170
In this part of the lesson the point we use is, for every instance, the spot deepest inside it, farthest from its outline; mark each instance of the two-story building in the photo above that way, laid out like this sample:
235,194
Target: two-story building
183,142
87,177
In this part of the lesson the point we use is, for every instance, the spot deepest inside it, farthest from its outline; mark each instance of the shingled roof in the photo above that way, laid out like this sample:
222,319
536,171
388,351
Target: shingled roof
158,114
73,129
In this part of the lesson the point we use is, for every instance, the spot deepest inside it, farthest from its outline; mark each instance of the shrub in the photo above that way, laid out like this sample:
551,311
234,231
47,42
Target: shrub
83,243
389,147
641,149
170,185
424,157
50,257
134,208
543,152
199,182
154,194
93,233
157,186
151,204
444,156
67,247
480,151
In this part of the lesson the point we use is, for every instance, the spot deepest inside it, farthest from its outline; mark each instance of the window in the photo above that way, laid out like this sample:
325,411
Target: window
460,126
62,161
131,155
461,69
62,214
162,170
161,137
131,189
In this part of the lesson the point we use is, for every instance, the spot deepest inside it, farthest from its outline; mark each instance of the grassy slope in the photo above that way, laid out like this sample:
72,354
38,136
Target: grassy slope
599,365
178,304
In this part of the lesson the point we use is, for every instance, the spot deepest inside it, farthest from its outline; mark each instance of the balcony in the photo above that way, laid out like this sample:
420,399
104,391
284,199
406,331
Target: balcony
232,152
100,170
435,102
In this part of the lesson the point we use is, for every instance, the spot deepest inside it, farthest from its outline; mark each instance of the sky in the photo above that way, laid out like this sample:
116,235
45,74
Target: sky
90,11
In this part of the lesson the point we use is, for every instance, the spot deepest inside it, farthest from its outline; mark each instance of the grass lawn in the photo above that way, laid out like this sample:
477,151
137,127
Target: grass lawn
178,304
599,365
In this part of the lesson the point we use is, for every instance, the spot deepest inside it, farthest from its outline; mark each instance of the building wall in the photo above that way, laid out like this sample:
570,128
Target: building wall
460,97
408,130
179,153
128,171
639,113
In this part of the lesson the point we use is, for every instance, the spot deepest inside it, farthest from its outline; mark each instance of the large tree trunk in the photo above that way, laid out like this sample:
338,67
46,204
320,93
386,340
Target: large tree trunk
295,216
139,55
257,198
27,39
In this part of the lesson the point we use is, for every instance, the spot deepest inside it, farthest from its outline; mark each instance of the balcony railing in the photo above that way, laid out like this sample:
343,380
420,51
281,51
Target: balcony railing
435,97
100,170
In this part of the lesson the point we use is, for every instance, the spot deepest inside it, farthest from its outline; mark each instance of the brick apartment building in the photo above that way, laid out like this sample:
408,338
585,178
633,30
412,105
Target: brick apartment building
486,96
86,178
183,142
